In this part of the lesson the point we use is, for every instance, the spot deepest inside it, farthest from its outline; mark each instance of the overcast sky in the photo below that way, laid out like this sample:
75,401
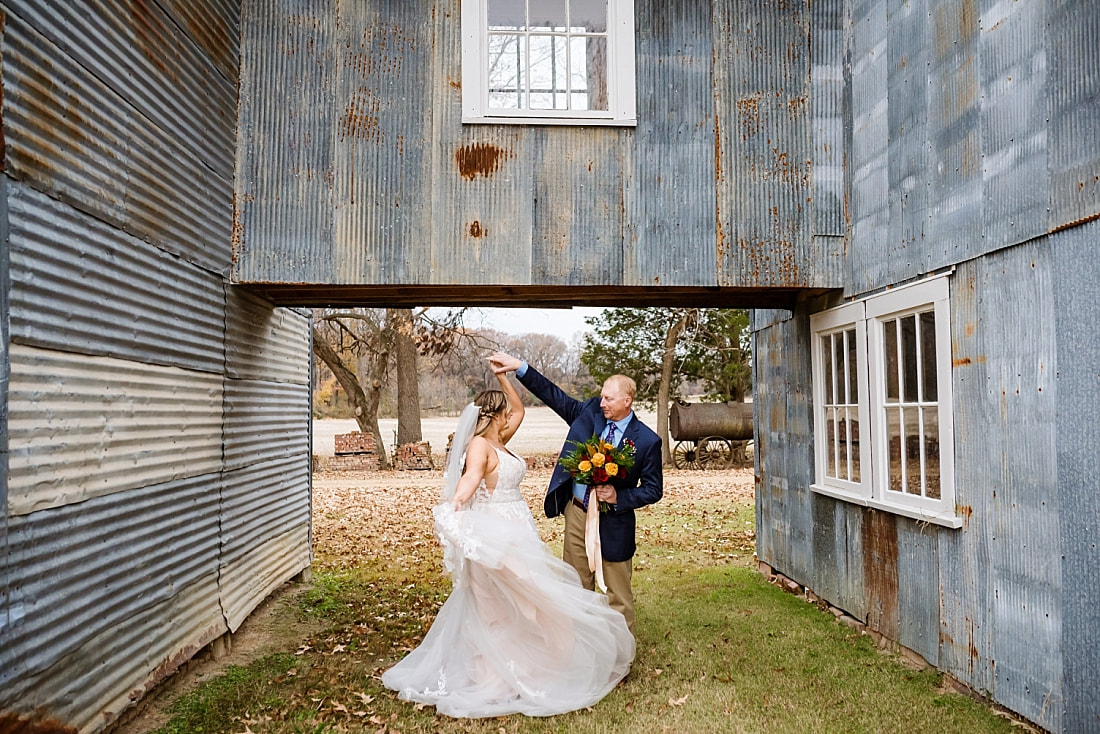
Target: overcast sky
563,323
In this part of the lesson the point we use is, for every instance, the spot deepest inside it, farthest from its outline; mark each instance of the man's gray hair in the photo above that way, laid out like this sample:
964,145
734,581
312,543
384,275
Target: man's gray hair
625,383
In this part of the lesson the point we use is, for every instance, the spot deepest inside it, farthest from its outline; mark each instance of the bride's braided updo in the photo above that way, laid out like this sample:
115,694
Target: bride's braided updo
490,403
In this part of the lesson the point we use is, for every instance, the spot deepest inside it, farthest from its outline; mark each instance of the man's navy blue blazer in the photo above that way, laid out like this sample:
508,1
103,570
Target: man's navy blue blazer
642,485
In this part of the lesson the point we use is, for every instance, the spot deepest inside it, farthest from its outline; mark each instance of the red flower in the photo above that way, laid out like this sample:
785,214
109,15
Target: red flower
600,476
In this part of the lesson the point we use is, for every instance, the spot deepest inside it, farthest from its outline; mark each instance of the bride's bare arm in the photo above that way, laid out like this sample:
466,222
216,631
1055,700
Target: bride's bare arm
515,405
477,466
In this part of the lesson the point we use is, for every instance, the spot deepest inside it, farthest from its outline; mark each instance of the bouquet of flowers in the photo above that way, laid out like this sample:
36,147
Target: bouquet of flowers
597,462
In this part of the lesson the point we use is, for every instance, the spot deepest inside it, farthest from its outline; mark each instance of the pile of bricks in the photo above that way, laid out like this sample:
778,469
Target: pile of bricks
354,452
416,456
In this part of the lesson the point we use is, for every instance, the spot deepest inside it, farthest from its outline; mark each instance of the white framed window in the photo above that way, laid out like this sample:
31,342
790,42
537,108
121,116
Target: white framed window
897,453
548,62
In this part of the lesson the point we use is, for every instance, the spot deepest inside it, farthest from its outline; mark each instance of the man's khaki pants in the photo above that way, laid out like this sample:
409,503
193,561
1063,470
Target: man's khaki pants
615,573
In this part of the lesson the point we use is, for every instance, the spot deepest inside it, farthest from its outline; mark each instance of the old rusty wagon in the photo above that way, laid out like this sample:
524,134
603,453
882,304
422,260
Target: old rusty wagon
709,435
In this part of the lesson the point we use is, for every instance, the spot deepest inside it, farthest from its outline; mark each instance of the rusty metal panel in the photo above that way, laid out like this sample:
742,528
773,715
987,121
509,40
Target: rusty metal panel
578,219
283,217
827,94
83,426
263,342
1073,96
784,447
1004,385
908,59
5,374
838,555
1076,313
160,176
954,131
265,421
250,579
1014,128
918,567
868,143
671,234
81,285
108,596
265,529
214,25
763,94
383,71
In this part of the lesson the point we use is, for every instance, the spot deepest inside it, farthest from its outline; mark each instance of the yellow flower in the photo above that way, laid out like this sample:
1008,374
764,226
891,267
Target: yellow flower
611,468
584,466
598,459
608,448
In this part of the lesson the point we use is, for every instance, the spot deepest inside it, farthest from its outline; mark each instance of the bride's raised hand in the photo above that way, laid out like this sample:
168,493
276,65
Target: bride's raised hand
500,363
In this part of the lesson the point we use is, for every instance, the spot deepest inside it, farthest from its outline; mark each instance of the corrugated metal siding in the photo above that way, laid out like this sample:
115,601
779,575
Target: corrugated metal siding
868,142
124,607
80,285
265,421
262,343
248,580
82,427
1076,270
69,134
5,373
954,130
908,59
283,201
763,95
579,206
1002,340
1014,123
1073,95
838,555
827,98
671,233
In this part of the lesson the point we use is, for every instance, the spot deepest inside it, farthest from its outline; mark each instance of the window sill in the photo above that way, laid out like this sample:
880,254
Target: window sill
564,121
943,519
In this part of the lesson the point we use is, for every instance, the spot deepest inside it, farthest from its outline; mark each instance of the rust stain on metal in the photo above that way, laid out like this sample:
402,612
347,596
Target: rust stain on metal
748,114
360,118
880,571
479,159
965,361
153,38
216,44
476,230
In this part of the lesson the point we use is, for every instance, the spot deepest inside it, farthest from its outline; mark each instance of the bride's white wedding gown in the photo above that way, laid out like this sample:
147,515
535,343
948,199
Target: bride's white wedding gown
519,634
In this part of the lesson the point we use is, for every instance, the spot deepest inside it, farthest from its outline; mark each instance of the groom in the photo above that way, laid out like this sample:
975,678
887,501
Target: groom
611,417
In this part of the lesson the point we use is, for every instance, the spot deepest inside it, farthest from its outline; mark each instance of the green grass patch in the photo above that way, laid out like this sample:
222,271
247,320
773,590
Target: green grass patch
719,650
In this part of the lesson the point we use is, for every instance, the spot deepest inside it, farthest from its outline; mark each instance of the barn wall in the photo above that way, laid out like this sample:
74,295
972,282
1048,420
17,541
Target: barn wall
155,468
354,167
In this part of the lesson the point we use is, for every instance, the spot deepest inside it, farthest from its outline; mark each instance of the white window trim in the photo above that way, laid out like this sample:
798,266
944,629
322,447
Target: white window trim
621,86
867,316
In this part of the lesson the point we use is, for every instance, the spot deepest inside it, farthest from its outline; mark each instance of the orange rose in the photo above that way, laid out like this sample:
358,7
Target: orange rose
608,448
598,459
611,468
584,466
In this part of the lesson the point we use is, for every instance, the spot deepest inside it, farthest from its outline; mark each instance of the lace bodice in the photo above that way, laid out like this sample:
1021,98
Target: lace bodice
507,499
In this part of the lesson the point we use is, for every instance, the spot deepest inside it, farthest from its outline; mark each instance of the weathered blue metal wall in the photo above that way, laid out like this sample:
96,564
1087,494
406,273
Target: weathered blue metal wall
972,148
354,167
155,467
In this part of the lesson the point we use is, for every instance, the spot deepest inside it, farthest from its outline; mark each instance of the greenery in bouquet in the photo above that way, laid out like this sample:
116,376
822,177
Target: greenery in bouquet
596,461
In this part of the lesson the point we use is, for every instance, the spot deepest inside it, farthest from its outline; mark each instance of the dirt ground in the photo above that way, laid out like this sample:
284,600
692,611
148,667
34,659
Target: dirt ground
343,504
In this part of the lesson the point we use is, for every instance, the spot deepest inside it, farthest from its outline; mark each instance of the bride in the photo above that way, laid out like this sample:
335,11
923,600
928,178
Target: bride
519,634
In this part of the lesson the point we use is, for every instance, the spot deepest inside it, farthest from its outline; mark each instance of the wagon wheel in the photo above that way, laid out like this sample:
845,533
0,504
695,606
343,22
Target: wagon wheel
715,452
686,456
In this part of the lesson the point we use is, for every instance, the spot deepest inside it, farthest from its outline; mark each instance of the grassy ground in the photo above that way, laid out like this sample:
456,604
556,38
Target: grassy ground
719,648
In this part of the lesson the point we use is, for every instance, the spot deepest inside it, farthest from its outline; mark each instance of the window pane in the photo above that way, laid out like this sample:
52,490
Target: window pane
853,383
827,359
842,444
506,64
588,16
890,359
830,442
548,15
894,442
909,358
588,57
853,441
548,73
507,15
932,452
928,356
838,364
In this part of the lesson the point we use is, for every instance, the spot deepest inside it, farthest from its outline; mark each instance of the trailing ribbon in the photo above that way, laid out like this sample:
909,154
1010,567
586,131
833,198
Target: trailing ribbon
592,542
